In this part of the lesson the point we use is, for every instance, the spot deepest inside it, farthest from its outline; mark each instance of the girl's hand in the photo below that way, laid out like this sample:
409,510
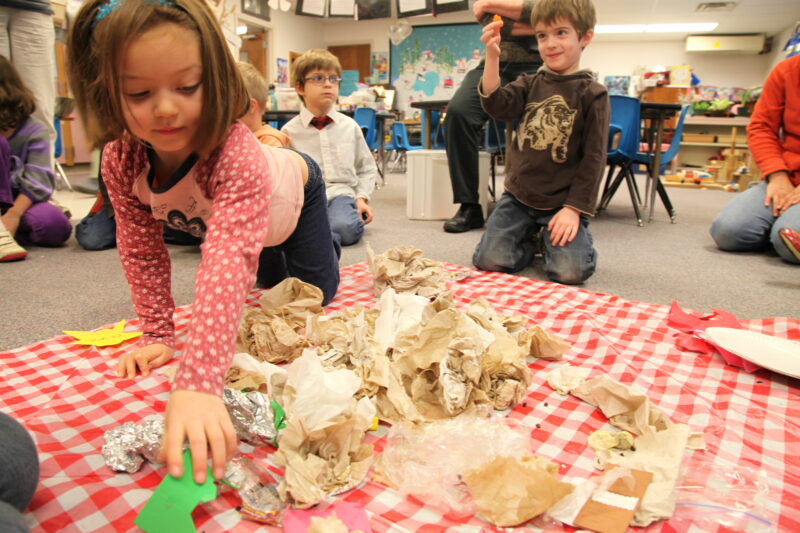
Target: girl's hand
779,187
490,36
145,358
202,418
563,227
364,210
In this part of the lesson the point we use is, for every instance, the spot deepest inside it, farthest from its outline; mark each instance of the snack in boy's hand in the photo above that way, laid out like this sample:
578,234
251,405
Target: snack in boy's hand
497,18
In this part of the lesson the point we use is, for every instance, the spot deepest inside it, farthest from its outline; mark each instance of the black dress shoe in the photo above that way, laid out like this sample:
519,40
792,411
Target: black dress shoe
469,216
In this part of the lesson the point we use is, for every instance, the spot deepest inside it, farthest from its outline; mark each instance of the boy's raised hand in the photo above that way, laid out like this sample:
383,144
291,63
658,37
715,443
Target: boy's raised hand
144,358
490,36
202,418
563,227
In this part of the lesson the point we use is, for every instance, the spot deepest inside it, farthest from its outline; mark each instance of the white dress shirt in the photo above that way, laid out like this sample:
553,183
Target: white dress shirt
339,149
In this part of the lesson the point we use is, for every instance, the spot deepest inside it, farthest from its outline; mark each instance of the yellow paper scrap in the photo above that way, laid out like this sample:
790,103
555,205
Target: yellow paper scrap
103,337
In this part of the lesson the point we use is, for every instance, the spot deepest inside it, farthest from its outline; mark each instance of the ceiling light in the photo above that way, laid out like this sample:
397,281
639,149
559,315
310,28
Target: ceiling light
681,28
619,28
241,30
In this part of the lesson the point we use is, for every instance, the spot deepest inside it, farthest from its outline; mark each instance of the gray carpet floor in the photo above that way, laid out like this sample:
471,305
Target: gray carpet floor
69,288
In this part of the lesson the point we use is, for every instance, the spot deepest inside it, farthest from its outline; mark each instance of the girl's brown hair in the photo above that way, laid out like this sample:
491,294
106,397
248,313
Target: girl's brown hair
98,39
16,100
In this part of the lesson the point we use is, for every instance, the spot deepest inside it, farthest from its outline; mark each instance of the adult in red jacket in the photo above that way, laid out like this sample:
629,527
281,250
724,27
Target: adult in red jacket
754,219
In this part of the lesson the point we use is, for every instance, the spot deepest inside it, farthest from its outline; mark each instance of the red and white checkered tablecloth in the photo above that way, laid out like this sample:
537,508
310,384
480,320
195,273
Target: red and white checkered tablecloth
67,396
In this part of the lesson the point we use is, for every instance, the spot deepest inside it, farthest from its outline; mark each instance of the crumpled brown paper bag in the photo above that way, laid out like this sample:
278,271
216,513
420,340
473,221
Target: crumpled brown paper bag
510,491
244,380
405,270
275,332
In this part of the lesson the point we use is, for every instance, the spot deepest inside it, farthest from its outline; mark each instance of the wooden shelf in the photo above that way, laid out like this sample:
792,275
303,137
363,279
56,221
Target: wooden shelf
724,145
700,120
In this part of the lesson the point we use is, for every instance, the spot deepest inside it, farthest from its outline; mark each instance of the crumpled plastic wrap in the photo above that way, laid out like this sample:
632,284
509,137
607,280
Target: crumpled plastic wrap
252,416
275,332
428,461
321,446
405,270
126,447
257,488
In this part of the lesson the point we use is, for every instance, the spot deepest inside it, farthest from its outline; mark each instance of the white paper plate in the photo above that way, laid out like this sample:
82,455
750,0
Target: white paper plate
773,353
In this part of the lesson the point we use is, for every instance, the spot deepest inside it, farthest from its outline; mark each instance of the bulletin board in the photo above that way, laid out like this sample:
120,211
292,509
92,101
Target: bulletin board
431,63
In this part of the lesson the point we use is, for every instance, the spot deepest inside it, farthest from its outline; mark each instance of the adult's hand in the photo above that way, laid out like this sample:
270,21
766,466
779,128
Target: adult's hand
779,187
789,200
505,8
202,418
144,358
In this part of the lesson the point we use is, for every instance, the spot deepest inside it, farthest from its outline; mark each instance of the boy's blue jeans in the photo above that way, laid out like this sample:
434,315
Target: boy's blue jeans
508,244
345,220
746,225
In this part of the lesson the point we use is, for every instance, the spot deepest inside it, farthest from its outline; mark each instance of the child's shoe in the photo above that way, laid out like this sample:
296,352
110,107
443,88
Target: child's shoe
791,239
9,249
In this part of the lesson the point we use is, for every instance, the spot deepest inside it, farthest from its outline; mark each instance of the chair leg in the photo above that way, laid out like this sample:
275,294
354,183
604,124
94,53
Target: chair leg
611,190
634,195
61,175
662,193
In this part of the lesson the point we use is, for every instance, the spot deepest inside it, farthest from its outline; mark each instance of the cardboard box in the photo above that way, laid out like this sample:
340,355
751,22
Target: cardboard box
699,138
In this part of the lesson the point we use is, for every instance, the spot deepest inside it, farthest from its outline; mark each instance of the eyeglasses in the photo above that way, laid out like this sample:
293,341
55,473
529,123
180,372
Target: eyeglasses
319,79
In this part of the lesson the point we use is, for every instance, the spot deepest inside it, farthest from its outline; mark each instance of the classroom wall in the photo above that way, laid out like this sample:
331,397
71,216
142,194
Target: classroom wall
607,58
293,33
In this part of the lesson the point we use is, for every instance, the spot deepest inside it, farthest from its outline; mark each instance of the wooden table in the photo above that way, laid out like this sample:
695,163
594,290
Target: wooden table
657,114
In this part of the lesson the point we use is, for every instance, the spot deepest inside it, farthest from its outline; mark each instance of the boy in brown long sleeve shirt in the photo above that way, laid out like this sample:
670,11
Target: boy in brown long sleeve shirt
557,153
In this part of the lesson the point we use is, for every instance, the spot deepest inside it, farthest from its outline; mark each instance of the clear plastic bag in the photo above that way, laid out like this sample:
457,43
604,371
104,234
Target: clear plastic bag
428,461
733,496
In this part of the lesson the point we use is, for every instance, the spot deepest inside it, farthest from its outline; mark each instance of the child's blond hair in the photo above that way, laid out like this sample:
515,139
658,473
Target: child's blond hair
580,13
254,83
314,59
99,36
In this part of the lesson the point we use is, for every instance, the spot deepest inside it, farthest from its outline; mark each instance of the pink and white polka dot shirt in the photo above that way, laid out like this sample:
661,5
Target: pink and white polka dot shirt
236,178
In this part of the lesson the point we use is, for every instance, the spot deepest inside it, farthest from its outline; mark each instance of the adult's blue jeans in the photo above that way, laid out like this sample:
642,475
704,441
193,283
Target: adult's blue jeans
345,220
508,243
745,224
309,253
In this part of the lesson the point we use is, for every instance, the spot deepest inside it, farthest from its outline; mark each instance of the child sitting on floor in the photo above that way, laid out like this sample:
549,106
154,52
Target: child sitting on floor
306,254
26,179
336,142
558,152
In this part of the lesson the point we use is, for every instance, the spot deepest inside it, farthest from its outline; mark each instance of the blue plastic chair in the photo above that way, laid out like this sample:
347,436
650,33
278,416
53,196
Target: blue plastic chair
365,118
58,146
400,143
494,142
436,129
623,147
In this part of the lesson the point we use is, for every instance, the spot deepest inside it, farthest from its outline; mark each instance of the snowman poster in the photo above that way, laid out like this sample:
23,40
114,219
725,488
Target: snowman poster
431,62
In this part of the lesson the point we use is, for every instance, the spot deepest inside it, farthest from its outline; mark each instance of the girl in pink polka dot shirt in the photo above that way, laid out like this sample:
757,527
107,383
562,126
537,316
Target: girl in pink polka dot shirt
155,81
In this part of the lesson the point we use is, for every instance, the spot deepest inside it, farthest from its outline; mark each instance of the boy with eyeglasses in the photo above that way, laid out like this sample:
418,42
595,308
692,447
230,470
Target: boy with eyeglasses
335,142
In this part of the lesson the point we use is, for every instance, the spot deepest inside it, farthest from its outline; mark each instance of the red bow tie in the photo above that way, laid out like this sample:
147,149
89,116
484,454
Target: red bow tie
321,122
